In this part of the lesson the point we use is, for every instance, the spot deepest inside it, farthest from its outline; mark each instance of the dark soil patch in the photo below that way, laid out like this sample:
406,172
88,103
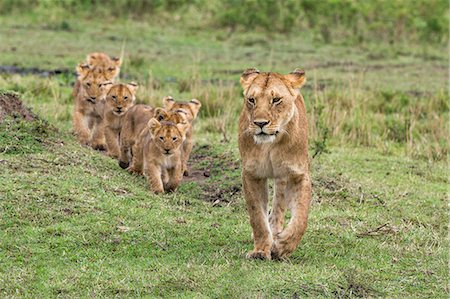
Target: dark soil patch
217,176
11,105
11,69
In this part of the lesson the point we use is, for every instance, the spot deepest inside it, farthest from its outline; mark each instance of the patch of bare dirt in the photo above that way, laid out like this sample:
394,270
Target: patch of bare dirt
11,105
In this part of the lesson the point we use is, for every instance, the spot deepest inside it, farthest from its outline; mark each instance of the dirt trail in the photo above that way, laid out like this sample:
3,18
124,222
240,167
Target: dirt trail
11,105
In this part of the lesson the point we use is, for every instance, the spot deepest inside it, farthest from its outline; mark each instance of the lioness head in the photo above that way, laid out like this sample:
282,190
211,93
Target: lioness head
109,65
91,80
119,97
167,136
270,101
190,108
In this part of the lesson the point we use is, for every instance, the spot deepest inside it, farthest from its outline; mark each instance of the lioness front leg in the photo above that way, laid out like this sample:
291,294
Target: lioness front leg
298,195
112,142
80,128
256,197
276,217
153,175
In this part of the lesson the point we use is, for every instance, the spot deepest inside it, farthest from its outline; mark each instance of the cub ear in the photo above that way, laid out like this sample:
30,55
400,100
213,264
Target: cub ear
82,69
161,114
297,78
195,106
168,102
153,125
183,125
116,61
105,87
132,86
248,76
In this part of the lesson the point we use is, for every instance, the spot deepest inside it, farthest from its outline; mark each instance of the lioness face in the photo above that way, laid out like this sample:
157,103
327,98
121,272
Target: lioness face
119,97
270,102
167,136
190,108
91,82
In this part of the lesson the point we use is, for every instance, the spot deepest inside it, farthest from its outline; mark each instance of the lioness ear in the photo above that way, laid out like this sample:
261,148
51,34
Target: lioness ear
132,86
82,69
153,124
161,114
116,61
297,78
195,106
248,76
168,102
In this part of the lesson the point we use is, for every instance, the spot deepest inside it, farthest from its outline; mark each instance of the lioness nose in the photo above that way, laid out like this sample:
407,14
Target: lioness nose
261,123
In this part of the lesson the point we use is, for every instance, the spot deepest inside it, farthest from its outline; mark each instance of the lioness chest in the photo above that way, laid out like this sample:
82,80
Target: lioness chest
267,162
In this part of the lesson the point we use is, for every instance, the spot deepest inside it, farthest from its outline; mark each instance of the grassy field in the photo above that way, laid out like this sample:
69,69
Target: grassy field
73,224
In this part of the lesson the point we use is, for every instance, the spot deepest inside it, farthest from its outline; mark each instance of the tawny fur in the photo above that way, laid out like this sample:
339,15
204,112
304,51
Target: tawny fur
110,65
162,154
119,98
191,108
89,106
273,143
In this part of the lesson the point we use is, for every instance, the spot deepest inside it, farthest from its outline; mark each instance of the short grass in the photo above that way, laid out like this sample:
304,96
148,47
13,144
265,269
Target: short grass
73,224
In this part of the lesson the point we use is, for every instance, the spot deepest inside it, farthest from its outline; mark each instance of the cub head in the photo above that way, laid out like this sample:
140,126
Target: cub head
269,101
91,79
119,97
190,108
109,65
167,136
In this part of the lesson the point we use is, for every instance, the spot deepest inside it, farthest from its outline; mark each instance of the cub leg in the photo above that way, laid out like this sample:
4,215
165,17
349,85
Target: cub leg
124,153
98,136
137,159
298,195
153,175
186,152
112,142
175,177
256,197
80,127
276,217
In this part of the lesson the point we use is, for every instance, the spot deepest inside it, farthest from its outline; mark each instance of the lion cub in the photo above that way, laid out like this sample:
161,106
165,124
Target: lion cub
131,144
161,143
118,100
191,109
88,108
110,65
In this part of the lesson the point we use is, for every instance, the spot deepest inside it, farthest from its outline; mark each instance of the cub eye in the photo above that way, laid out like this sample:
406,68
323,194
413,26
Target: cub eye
251,100
125,97
114,97
174,138
161,138
276,100
88,84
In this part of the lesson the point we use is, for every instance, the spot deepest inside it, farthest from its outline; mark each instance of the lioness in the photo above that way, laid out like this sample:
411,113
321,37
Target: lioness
273,143
162,154
89,105
118,99
191,108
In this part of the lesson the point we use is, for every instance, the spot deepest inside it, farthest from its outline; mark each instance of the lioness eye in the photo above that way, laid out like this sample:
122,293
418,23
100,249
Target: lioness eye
251,100
161,138
276,100
174,138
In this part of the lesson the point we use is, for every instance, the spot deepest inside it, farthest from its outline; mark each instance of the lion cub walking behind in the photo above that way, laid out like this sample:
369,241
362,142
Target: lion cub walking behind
119,98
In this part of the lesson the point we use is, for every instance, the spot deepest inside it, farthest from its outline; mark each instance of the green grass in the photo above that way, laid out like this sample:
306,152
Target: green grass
73,224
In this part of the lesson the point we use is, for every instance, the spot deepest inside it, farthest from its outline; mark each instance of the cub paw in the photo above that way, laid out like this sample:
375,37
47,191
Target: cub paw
281,251
259,255
99,147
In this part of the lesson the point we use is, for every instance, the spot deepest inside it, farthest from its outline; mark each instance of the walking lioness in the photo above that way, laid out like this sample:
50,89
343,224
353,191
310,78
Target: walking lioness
273,143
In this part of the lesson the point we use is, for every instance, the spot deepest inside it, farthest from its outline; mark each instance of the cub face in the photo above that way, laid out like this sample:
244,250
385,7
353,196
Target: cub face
269,101
91,81
190,108
110,65
167,136
119,97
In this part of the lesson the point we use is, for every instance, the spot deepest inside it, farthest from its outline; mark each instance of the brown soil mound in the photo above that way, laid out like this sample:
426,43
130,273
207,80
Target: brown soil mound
10,104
